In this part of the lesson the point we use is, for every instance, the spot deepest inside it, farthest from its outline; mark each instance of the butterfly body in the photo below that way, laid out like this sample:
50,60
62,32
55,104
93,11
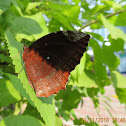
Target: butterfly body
49,60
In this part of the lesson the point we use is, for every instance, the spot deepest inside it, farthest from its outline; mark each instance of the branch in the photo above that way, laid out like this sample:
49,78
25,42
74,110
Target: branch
95,21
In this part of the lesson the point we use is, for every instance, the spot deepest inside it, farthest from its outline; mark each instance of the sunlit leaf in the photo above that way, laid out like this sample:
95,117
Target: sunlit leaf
8,94
32,5
82,77
118,79
115,32
29,27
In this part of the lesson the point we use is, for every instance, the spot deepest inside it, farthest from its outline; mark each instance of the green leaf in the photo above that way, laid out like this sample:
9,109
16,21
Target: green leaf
109,57
108,52
119,20
99,67
29,27
8,94
82,77
92,92
121,93
63,20
18,85
116,45
32,111
72,14
45,106
5,58
71,100
58,121
1,20
32,5
54,25
87,79
115,32
63,13
4,5
118,80
61,94
21,120
57,6
76,1
113,4
97,36
17,7
93,12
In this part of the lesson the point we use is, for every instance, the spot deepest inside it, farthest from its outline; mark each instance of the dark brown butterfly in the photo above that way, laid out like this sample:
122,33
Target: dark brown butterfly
49,60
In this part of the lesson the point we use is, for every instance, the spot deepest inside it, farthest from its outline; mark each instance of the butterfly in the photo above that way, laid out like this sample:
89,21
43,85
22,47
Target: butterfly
50,59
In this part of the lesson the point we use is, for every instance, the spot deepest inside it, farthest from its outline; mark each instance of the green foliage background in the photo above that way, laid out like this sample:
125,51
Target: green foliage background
24,21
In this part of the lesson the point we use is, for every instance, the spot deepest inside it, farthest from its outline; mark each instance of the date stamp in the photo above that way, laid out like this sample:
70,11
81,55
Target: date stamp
103,120
94,120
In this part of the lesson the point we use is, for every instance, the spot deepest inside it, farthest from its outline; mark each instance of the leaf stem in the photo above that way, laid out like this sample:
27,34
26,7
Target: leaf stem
107,16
